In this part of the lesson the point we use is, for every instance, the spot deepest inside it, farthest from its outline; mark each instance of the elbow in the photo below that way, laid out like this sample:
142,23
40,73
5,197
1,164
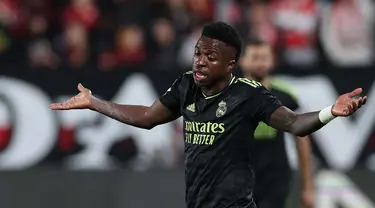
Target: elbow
147,124
148,127
301,134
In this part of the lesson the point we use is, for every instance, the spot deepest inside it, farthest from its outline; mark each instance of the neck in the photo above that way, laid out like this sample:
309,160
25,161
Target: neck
209,91
264,81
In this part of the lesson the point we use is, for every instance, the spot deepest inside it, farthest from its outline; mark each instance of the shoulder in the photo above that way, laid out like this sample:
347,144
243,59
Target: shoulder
184,80
281,87
247,84
187,77
249,88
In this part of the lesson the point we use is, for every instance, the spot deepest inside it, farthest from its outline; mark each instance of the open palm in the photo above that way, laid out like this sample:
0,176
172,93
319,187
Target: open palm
348,103
79,101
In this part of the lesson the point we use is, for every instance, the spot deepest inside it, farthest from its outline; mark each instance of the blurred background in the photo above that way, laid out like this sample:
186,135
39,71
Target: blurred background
130,51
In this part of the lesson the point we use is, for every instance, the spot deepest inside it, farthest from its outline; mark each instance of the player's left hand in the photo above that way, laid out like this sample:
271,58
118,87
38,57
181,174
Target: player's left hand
307,199
348,103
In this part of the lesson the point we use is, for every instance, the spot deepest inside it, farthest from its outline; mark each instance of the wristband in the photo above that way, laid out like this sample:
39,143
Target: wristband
325,115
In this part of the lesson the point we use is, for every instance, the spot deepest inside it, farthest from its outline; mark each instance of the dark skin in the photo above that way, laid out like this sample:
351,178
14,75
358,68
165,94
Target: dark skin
216,61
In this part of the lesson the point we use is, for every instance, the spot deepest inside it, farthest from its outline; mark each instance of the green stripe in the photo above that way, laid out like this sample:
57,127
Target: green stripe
189,72
252,83
282,86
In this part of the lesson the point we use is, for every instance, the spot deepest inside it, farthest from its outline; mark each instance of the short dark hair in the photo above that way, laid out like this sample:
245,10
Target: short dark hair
223,32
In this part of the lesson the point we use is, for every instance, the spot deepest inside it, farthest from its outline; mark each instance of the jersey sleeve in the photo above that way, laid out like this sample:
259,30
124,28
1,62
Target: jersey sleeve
171,98
292,103
262,104
290,99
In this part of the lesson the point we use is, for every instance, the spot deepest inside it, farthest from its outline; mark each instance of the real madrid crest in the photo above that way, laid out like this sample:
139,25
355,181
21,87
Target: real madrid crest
222,109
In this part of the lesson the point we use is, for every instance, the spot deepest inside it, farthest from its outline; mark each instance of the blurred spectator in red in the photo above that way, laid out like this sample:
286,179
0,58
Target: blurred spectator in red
297,22
130,45
40,52
203,10
164,37
9,19
82,11
257,23
261,24
347,32
12,17
73,45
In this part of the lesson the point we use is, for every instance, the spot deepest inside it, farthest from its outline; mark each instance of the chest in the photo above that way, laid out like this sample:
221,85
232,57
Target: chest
221,108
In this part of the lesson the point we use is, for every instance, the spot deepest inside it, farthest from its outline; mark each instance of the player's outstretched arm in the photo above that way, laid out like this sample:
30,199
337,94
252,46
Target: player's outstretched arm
139,116
307,123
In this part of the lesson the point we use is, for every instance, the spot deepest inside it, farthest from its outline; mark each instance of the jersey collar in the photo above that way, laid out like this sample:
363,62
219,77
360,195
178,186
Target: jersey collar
217,94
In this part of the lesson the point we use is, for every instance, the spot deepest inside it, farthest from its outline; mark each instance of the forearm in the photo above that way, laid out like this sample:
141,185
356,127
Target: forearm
304,159
133,115
298,124
305,124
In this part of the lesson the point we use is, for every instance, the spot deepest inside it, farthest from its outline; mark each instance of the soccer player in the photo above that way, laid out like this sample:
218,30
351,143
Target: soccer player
272,171
221,113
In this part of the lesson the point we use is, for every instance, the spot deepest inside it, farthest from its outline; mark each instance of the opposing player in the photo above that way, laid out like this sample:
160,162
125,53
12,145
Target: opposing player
272,171
221,113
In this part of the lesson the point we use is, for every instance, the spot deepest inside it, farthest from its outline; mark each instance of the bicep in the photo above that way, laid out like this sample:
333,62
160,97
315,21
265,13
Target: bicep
282,119
158,113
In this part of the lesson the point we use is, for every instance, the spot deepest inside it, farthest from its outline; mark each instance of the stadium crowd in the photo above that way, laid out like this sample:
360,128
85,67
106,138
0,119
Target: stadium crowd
113,34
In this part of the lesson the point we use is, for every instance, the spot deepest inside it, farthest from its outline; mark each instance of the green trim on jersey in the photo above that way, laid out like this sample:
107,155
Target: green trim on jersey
263,131
188,72
281,85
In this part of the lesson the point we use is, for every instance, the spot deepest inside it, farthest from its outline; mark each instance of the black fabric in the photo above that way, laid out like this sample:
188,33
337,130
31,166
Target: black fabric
218,134
272,170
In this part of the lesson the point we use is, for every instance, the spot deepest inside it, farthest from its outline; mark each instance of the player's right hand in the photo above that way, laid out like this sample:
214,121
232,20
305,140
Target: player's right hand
82,100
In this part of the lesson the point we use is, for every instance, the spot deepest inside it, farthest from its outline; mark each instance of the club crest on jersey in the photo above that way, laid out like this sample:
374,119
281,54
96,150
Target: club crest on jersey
222,109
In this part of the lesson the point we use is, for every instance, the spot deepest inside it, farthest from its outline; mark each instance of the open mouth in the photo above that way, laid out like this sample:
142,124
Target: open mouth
199,76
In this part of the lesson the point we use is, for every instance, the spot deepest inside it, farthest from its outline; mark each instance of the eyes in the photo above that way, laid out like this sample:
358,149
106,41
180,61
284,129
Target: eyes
211,56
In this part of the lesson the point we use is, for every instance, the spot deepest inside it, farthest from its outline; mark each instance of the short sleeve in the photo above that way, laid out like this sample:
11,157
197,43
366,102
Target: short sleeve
171,98
292,103
262,104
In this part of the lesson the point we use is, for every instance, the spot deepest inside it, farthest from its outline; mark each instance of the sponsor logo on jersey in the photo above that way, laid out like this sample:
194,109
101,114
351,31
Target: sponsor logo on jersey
191,107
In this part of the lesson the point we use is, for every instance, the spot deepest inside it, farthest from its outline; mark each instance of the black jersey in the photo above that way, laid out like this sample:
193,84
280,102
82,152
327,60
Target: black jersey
218,134
271,162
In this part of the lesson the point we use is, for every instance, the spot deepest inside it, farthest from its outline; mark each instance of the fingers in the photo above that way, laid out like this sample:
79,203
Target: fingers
361,101
81,88
355,92
355,105
67,105
364,100
58,106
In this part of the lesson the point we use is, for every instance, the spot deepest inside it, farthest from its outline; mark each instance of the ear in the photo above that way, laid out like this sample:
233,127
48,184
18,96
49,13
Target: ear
231,65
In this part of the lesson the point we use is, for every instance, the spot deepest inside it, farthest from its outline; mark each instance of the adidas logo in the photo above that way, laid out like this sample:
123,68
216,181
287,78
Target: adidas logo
191,107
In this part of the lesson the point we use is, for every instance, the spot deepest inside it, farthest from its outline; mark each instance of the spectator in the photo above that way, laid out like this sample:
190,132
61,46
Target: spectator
40,53
297,22
83,12
73,45
347,32
166,47
180,15
130,45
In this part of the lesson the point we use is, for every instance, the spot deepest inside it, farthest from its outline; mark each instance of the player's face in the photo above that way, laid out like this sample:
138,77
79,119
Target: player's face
210,62
257,61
